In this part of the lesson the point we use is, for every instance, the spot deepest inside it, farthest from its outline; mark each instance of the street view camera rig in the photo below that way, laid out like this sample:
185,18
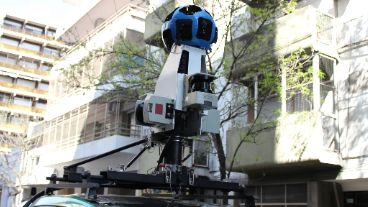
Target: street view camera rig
182,106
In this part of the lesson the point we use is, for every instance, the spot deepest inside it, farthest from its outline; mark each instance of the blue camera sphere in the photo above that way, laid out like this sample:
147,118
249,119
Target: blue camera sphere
189,25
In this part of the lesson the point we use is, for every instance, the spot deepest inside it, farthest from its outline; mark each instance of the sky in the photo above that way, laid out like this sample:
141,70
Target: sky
57,13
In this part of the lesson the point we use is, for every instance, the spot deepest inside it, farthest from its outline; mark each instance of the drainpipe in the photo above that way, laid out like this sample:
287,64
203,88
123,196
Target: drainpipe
4,196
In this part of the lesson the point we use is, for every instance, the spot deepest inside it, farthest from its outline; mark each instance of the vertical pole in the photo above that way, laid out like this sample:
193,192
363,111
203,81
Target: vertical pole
283,90
316,84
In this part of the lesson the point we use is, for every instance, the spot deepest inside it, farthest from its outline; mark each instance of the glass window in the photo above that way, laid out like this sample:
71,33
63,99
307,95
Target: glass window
8,58
43,86
46,66
201,149
51,33
41,104
34,29
30,46
273,194
6,79
51,51
12,23
4,97
26,83
296,193
9,41
23,101
29,63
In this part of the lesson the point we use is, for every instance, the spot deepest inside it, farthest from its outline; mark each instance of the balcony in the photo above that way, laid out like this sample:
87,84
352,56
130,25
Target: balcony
305,28
14,88
29,53
31,35
29,71
33,111
155,19
13,127
79,146
303,140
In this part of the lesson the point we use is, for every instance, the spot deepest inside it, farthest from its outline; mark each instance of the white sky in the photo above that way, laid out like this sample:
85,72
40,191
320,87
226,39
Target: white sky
58,13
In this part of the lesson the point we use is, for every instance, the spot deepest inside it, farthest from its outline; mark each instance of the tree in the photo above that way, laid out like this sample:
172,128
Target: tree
12,153
137,67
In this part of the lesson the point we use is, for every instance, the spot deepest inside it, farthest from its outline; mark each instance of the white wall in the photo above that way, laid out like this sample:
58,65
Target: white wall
352,87
105,33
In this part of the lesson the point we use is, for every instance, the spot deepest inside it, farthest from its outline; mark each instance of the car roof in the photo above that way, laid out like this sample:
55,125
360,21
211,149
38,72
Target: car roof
116,200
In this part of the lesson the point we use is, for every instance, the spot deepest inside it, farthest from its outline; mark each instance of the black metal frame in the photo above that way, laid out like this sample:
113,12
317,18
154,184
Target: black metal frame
173,176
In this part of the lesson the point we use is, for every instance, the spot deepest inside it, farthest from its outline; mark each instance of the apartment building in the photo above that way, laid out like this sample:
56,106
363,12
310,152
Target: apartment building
28,50
316,154
87,121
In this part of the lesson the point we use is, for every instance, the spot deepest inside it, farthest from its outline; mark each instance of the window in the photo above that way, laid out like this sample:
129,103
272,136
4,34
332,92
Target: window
51,51
297,100
326,66
41,104
50,32
257,97
273,194
12,23
29,63
26,83
8,58
200,153
46,66
30,46
356,199
296,193
23,101
43,86
34,29
10,41
4,97
6,79
282,195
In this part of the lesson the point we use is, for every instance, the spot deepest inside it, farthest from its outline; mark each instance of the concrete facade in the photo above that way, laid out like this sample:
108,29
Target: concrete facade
28,51
84,122
325,142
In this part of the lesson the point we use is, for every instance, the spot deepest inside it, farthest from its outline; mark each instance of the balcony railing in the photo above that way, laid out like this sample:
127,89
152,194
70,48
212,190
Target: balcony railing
24,69
304,28
40,138
22,108
296,101
29,32
302,137
14,127
23,88
26,51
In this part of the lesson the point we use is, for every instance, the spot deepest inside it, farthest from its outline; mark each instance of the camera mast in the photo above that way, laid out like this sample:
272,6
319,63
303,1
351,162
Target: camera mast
182,106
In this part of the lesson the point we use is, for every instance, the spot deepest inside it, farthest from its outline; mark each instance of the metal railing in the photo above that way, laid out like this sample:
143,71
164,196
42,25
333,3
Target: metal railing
28,32
24,69
22,108
23,88
40,138
27,51
299,101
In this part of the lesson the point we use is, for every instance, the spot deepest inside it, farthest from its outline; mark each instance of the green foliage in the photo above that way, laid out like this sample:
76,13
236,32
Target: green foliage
298,71
136,67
